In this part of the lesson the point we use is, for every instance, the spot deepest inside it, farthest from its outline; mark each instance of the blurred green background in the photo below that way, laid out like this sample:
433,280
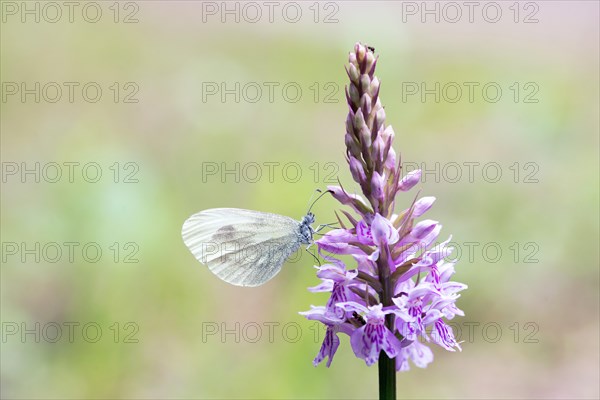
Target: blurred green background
168,325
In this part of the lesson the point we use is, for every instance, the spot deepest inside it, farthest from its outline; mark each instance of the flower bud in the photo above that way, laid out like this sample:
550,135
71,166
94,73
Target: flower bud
352,146
350,123
352,59
374,87
357,170
360,51
390,161
423,228
370,61
353,200
359,121
377,185
365,137
353,73
365,83
354,95
365,104
339,194
371,70
381,115
378,146
409,180
422,205
388,134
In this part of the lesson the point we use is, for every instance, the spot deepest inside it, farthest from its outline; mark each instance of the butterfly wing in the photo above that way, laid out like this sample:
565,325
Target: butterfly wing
242,247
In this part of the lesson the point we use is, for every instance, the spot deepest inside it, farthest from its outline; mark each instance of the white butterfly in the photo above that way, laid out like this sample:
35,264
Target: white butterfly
243,247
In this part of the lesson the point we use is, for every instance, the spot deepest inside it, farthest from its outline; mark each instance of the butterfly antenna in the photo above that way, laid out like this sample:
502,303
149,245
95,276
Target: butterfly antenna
311,197
317,199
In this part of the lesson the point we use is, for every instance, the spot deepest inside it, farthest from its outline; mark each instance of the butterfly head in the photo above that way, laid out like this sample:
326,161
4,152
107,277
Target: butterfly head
306,231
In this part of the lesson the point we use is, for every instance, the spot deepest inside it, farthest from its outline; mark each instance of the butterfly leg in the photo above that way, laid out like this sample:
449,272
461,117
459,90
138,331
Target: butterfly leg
320,227
312,254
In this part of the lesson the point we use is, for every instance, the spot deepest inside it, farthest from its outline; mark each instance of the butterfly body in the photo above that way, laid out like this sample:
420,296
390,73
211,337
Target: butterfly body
306,231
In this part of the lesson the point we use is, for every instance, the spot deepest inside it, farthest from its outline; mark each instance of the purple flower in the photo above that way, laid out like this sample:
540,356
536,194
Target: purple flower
418,353
331,340
338,241
398,297
373,337
341,281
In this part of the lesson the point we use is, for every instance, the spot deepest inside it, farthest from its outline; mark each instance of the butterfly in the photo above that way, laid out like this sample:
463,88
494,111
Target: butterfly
245,247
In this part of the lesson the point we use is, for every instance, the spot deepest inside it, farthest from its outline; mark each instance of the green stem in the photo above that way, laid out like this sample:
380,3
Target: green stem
387,377
387,366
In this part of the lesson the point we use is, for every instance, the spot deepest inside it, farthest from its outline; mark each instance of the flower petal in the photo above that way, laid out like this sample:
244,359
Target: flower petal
391,344
330,345
321,314
383,231
363,233
325,286
420,355
353,306
444,336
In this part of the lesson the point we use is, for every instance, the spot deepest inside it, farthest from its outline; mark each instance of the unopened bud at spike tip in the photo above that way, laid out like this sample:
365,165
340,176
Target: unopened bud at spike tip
353,73
360,51
365,83
352,59
370,61
374,87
